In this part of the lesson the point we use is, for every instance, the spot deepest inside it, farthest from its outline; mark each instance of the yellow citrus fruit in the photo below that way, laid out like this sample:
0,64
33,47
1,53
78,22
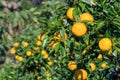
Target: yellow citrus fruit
50,44
36,48
99,56
109,53
39,37
103,65
25,44
16,57
79,29
86,17
72,65
45,56
93,66
59,36
105,44
84,51
44,52
29,53
32,54
39,43
49,63
81,74
54,45
16,44
43,36
12,51
20,59
38,78
70,13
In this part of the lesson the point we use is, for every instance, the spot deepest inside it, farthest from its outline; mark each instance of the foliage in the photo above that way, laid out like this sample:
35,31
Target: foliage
51,45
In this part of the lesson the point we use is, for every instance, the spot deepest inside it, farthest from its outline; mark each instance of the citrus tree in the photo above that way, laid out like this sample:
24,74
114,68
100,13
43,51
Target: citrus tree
70,40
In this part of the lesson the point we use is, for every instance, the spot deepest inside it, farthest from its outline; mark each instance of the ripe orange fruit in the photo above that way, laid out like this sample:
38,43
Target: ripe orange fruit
25,44
12,51
58,36
93,66
44,52
16,57
49,63
81,74
105,44
70,13
16,44
55,44
43,36
29,53
103,65
45,56
72,65
39,43
36,48
99,56
50,44
39,37
20,59
79,29
86,17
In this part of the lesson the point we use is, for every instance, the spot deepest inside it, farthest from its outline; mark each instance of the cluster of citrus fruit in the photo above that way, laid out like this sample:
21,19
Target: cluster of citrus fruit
34,51
40,48
79,29
25,49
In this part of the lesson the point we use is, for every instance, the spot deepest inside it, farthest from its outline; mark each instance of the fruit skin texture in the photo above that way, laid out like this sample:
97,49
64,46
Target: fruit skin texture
99,56
25,44
36,48
72,65
16,44
12,51
45,56
79,29
29,53
43,52
81,74
20,59
105,44
86,17
16,57
104,65
50,63
39,43
93,66
70,13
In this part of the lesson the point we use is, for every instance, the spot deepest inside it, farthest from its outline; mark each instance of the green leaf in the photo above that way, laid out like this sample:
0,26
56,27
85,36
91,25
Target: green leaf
24,14
33,9
57,47
100,25
82,5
